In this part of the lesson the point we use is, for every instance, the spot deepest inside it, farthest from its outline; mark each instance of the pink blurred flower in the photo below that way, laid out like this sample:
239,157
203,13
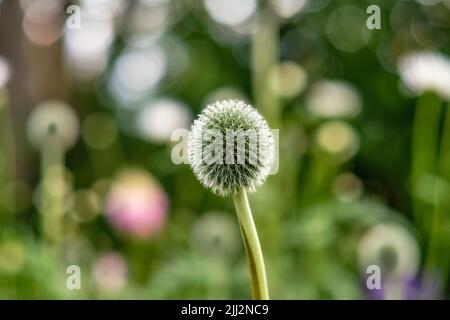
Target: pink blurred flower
136,205
110,273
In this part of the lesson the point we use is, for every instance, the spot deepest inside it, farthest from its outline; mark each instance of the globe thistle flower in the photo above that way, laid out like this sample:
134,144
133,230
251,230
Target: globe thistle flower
215,233
393,248
231,165
53,120
426,71
52,129
136,205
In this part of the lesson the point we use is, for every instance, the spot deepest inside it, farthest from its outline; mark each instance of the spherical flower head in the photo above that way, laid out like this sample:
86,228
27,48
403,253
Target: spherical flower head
231,147
53,122
136,205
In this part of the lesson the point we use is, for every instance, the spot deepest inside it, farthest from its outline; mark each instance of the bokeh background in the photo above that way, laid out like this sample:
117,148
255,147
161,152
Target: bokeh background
86,176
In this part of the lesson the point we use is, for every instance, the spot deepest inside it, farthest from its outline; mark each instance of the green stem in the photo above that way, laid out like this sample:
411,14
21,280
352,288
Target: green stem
424,148
264,57
438,245
252,246
52,201
444,152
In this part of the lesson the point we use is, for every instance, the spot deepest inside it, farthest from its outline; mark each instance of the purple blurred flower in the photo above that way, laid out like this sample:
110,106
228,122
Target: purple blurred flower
426,287
374,294
136,205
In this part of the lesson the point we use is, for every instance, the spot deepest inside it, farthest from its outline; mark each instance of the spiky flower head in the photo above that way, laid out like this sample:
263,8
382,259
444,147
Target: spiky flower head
231,147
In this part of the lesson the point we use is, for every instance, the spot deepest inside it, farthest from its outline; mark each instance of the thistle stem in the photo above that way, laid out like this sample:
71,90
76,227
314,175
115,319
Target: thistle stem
424,149
252,246
52,204
439,236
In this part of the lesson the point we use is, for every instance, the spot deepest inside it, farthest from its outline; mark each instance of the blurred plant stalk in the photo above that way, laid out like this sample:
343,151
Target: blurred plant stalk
425,142
7,155
431,158
264,57
265,43
438,255
53,190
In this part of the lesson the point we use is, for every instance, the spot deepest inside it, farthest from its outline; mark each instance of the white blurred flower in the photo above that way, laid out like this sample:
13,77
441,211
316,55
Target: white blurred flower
426,70
86,49
158,119
333,99
230,12
110,273
393,248
149,18
216,233
102,9
288,8
54,120
137,72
